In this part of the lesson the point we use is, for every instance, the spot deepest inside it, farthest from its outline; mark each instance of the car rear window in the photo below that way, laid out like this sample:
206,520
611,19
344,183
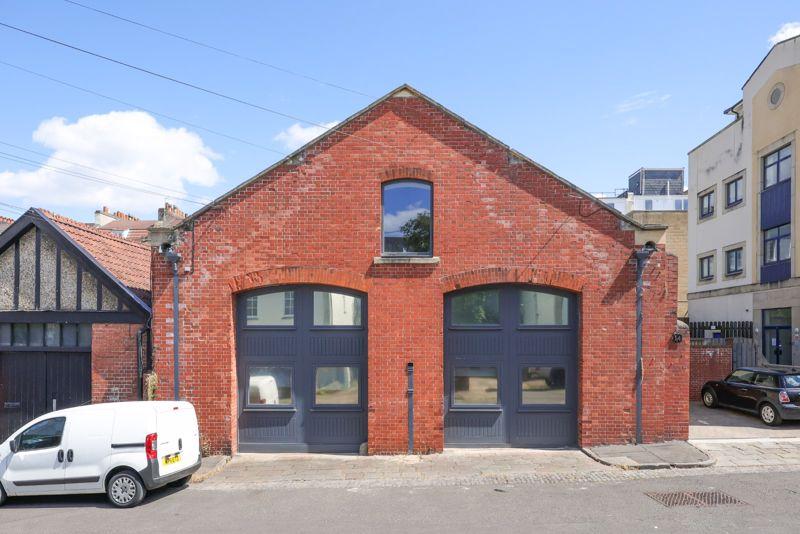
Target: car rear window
791,381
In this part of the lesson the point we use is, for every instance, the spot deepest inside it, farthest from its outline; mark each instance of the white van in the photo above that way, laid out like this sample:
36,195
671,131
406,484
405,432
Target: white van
123,449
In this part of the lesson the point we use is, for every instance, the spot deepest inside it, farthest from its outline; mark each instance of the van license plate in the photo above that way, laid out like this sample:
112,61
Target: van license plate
172,458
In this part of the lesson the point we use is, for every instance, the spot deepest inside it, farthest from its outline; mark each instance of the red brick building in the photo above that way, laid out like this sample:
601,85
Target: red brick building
408,235
73,317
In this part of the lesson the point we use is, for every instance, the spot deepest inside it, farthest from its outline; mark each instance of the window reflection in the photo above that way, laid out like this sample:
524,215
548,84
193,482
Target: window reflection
271,309
544,385
336,309
475,386
476,308
537,308
269,386
336,385
407,218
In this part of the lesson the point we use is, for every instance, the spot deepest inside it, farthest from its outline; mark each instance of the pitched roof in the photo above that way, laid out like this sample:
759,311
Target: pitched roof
127,260
406,89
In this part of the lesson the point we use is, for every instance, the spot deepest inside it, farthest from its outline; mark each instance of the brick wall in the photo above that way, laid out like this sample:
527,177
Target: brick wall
709,362
496,219
114,362
677,243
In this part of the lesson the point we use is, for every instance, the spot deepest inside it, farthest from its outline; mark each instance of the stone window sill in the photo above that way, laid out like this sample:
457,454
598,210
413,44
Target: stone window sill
388,260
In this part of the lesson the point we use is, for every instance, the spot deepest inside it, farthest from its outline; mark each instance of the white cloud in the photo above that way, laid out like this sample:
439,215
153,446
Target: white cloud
788,30
392,222
126,143
298,135
641,101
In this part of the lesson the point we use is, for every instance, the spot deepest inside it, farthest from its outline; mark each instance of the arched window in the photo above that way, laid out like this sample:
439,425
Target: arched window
407,218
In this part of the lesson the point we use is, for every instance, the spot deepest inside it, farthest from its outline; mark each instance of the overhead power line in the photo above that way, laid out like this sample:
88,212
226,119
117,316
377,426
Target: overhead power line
81,176
218,49
141,108
186,84
149,184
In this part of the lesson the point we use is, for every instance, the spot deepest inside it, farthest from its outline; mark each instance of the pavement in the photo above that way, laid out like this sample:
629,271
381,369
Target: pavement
678,454
720,423
210,466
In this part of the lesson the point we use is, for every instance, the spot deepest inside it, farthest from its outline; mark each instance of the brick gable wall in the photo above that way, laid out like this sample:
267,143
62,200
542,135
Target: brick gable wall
496,219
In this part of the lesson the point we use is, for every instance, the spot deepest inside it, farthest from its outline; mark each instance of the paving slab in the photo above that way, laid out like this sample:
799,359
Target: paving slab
679,454
723,423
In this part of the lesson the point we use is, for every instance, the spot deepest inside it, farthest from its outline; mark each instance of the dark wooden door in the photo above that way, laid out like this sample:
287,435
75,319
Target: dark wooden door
510,367
302,369
34,383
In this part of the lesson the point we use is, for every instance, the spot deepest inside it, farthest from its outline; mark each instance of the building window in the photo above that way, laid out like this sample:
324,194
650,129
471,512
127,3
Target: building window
707,205
252,308
407,224
476,386
544,385
269,387
733,261
270,309
288,304
778,166
648,205
680,204
734,193
707,268
336,309
337,386
476,308
777,244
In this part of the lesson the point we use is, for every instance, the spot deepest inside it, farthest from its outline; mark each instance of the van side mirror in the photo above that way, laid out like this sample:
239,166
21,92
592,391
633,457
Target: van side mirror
14,445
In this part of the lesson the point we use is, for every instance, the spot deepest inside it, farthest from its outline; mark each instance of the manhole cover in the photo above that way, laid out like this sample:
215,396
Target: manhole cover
693,498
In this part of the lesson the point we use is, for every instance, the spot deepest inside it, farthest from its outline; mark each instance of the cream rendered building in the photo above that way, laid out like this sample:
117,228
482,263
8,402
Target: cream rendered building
742,200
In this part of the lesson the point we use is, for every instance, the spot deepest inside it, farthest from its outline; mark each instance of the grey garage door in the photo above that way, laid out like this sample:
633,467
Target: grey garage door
510,367
302,369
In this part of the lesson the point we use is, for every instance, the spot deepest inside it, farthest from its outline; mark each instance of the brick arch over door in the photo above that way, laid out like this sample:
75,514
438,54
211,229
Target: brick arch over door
299,275
513,275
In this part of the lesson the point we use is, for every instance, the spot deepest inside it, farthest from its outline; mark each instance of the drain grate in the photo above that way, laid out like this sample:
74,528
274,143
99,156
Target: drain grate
693,498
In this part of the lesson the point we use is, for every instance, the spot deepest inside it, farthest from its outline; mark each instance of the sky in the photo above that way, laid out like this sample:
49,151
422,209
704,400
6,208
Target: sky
591,90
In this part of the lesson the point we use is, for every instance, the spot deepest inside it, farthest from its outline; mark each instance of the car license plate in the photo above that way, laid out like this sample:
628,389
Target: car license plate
172,458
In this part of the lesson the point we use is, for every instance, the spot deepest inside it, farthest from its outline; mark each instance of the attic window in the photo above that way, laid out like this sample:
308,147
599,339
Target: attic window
407,218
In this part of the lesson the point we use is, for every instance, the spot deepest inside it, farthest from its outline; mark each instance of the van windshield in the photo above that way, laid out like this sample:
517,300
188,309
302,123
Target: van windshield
791,381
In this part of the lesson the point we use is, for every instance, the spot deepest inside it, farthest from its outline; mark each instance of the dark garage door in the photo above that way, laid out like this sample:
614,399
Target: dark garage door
34,383
510,367
302,369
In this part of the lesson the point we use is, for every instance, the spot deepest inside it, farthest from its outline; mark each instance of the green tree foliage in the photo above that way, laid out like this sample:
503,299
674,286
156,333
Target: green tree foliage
417,233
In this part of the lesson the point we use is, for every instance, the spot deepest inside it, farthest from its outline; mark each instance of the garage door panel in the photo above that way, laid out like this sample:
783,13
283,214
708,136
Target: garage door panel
544,429
485,343
485,428
260,427
333,344
536,343
334,428
273,345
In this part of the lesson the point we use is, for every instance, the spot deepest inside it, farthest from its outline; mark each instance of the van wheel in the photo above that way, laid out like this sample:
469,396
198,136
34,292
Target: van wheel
181,482
770,415
2,495
125,489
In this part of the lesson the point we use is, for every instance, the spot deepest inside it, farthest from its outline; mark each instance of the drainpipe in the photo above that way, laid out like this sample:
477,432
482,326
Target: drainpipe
410,391
174,258
641,261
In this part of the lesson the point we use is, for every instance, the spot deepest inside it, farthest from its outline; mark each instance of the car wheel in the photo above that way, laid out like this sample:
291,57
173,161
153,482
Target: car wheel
709,398
2,495
181,482
125,489
769,415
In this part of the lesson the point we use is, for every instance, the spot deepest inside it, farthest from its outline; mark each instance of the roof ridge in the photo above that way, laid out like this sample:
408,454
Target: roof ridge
105,234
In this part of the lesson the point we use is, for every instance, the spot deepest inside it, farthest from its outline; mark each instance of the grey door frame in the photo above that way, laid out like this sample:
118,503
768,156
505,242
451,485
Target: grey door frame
300,434
511,413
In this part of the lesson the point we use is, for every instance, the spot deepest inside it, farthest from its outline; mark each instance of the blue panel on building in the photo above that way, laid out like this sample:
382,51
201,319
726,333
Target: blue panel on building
776,205
775,272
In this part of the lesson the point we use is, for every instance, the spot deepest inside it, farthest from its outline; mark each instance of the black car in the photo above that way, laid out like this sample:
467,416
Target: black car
771,394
